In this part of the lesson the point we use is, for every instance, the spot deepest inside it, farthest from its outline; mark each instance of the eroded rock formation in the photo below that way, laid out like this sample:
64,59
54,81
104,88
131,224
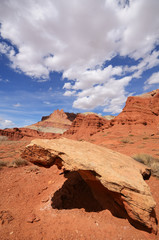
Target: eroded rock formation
143,109
20,133
140,114
115,180
57,122
85,126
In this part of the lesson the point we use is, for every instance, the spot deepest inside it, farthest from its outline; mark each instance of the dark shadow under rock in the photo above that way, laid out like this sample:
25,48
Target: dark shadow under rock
92,196
75,193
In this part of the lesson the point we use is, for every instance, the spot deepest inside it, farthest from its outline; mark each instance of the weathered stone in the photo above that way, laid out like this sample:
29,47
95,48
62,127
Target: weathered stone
107,173
142,109
85,126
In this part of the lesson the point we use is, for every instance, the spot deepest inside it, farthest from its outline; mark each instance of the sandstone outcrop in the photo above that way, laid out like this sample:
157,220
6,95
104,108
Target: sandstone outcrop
140,114
57,122
20,133
114,179
85,126
142,109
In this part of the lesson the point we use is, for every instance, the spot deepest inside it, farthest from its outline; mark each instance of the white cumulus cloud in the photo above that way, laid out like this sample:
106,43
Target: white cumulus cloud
4,123
154,79
76,38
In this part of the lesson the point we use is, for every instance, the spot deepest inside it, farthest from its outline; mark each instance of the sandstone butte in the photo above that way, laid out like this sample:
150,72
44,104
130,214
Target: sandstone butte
49,127
57,122
115,180
142,109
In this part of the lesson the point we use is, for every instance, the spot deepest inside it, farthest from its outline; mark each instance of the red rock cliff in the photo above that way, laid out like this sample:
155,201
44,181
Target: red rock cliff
57,119
85,126
143,109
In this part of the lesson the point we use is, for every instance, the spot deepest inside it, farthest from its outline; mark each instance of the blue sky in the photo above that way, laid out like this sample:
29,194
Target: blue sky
75,55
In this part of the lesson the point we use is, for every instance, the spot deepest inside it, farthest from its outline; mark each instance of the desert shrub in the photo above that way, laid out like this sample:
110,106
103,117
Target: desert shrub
155,168
143,158
150,161
3,163
34,169
145,138
127,140
18,163
3,138
15,163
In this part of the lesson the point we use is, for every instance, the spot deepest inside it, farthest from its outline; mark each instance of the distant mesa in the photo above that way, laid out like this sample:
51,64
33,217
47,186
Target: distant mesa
57,122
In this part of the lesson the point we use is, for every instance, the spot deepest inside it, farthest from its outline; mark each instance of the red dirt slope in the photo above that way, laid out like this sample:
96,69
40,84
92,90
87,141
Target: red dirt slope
29,210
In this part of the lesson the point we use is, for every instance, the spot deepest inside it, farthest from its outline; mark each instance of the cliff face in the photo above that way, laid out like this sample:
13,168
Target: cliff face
143,109
85,126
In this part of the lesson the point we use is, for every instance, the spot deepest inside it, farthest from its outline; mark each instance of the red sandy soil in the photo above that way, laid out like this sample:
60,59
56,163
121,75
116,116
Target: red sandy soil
128,141
26,211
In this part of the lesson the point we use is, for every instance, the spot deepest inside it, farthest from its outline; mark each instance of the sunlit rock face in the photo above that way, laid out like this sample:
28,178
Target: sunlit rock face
115,180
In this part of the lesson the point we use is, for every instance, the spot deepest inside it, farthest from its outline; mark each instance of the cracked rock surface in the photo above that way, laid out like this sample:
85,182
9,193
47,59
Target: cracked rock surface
107,173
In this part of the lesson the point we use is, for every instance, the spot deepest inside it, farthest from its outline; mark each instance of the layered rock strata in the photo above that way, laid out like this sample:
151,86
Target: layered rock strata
21,133
86,126
142,109
57,122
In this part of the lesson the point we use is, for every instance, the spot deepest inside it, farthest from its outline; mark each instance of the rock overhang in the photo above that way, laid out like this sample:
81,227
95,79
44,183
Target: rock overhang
120,175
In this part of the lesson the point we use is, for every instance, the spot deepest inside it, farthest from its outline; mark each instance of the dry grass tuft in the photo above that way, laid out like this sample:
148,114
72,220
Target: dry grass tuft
15,163
127,140
19,162
150,161
3,163
3,138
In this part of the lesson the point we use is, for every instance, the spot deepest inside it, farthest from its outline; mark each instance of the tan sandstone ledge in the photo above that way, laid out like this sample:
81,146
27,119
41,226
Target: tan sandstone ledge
108,173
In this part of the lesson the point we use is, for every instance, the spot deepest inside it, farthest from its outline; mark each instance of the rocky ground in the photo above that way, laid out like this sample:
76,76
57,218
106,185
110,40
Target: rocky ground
26,210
